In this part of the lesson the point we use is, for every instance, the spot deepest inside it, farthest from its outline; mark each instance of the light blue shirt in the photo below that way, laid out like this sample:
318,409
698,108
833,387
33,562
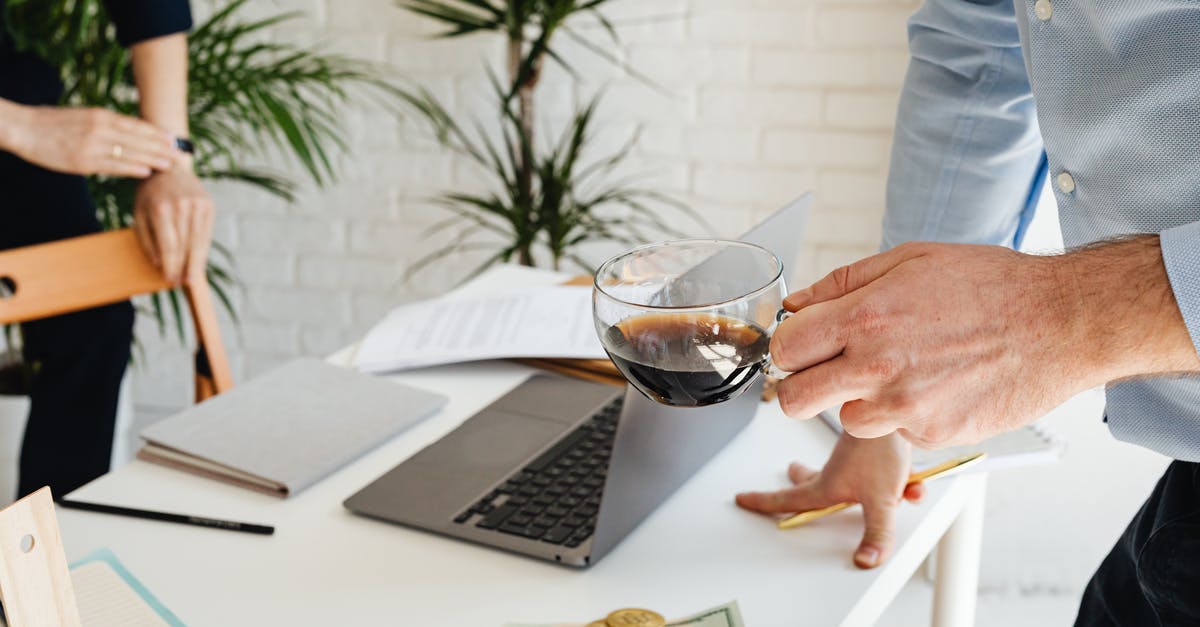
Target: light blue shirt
1105,95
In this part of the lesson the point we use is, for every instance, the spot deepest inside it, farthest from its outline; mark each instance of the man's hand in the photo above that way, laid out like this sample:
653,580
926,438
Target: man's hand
870,472
173,216
88,141
951,343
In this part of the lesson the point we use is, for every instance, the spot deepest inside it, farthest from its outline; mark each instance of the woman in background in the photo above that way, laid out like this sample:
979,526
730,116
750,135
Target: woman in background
45,150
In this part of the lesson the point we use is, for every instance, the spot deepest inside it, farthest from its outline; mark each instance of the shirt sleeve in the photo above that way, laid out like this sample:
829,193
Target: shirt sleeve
966,149
139,20
1181,256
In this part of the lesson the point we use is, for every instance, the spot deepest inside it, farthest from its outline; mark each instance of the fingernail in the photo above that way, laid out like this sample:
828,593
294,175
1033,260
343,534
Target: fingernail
798,299
867,557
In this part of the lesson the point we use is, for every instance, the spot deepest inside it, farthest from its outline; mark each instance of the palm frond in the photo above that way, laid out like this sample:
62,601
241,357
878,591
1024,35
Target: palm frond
246,92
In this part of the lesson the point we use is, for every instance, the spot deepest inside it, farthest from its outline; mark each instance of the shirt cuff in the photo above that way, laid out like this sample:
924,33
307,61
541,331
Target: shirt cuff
140,20
1181,256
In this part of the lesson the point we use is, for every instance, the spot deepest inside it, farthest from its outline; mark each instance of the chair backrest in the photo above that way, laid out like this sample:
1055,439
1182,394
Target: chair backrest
84,272
34,580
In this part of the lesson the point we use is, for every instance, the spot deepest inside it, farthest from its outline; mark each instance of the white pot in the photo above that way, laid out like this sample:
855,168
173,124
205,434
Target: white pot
13,412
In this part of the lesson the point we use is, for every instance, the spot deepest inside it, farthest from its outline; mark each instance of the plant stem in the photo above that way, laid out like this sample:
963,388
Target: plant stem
525,111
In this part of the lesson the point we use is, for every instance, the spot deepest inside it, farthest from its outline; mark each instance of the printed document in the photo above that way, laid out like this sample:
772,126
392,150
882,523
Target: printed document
531,322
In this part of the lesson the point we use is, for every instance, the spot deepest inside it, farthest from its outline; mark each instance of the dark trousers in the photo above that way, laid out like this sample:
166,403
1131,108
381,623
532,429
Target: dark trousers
1152,575
79,358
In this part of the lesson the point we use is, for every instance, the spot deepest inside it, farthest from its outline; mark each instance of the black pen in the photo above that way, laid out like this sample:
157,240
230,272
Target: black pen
184,519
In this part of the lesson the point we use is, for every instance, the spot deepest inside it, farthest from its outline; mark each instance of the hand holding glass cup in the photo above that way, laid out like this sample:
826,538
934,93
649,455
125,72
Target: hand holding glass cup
688,322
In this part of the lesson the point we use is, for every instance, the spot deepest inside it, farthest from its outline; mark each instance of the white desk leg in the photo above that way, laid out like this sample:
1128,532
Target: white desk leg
957,578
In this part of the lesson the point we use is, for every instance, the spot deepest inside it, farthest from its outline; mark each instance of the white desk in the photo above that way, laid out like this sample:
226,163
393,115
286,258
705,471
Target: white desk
325,566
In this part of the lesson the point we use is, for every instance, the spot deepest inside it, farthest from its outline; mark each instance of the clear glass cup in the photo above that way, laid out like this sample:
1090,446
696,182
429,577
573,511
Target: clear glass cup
688,322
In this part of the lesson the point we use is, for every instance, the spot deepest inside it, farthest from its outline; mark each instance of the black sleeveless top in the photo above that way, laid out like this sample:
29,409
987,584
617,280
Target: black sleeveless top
27,79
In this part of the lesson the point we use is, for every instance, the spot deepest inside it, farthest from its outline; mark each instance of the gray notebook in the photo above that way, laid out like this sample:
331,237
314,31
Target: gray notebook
289,428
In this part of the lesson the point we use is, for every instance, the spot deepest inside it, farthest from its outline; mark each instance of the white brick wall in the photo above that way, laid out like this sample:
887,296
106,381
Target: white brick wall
756,102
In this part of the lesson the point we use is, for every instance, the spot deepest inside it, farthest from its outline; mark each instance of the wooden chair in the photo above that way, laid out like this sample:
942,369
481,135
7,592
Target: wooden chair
93,270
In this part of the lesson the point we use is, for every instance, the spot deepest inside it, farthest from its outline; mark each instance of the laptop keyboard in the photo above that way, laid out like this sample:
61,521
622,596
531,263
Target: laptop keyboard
556,497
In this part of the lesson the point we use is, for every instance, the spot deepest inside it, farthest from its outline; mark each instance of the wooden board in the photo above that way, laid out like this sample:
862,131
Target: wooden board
35,584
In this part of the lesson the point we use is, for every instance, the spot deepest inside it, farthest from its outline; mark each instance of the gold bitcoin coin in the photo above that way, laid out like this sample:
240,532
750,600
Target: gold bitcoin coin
597,623
635,617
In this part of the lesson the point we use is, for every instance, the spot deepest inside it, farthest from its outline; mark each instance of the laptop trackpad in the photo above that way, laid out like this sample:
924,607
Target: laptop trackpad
494,442
441,480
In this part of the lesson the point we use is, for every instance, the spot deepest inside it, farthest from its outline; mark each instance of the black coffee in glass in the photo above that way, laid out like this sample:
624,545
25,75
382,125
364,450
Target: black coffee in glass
688,322
687,359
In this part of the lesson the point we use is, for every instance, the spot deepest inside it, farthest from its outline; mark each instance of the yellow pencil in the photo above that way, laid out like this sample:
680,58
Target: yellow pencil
932,472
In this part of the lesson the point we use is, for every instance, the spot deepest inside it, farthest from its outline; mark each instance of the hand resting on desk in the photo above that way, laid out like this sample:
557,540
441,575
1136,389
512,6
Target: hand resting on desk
870,472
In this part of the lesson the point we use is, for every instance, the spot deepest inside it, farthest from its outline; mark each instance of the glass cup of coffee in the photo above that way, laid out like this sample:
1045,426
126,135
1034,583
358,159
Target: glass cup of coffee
688,322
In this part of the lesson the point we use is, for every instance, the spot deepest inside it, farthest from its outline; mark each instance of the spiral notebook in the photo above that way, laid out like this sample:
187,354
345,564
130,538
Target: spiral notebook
1031,445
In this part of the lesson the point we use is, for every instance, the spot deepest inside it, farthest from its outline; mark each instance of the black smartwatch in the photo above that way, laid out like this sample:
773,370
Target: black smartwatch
185,145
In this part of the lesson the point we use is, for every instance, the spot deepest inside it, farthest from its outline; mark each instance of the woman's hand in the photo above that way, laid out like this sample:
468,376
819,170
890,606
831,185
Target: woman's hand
871,472
87,141
173,216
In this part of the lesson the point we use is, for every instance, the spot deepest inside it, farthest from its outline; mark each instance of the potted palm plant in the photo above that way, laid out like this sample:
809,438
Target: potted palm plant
544,199
247,95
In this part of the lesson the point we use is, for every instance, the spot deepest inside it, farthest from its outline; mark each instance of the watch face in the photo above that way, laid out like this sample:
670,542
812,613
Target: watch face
185,145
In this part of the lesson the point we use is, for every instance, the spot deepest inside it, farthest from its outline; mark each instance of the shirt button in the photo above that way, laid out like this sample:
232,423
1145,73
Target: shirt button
1043,10
1066,182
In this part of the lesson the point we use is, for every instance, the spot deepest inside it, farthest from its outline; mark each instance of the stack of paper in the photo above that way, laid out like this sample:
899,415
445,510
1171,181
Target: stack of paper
530,322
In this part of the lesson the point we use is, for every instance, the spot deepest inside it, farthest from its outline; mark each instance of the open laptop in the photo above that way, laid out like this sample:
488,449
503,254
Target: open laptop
563,469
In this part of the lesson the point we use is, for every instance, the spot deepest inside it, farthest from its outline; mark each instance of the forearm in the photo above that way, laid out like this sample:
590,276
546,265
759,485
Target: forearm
1126,321
11,115
160,68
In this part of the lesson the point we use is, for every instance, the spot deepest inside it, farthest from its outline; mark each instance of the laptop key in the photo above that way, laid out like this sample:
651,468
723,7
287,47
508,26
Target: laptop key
520,519
463,517
545,521
522,530
557,510
496,516
557,535
556,451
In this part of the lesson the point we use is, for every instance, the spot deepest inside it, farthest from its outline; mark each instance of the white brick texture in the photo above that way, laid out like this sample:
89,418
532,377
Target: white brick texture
751,103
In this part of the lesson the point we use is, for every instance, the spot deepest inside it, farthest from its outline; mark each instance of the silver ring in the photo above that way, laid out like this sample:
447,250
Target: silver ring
117,151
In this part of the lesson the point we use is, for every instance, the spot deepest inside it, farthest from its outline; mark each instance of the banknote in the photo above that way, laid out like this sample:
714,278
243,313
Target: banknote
726,615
